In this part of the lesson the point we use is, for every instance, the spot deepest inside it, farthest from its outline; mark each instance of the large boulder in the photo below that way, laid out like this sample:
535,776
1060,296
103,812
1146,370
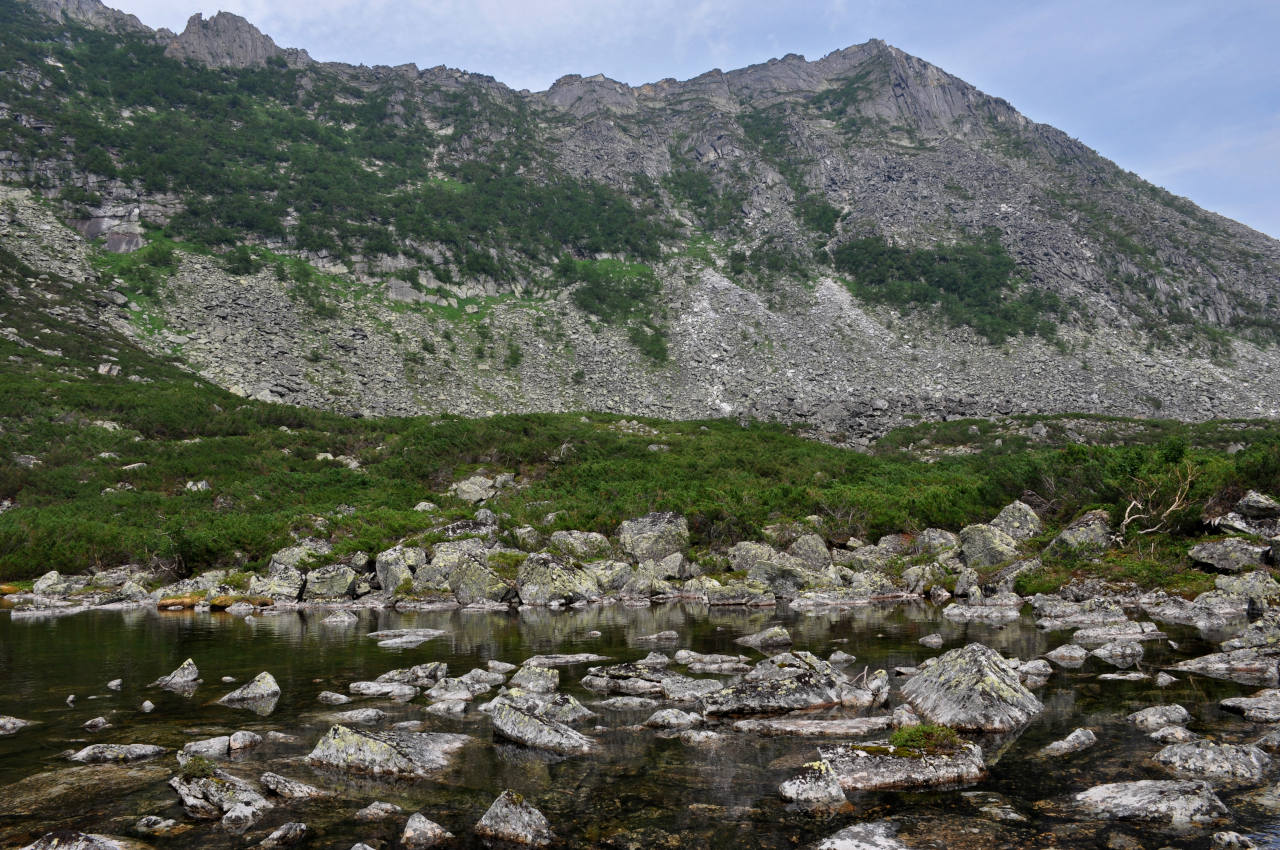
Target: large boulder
1234,763
1177,803
545,580
972,688
475,489
472,582
985,546
1257,586
398,564
1255,505
1232,555
867,767
538,731
1256,665
284,583
396,754
297,557
811,550
329,582
1018,521
583,545
1089,532
654,536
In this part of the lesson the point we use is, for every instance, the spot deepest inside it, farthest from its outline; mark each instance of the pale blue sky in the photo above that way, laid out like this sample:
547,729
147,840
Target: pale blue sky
1186,94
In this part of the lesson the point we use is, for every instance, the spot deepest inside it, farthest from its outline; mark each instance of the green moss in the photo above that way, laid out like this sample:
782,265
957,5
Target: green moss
197,767
926,738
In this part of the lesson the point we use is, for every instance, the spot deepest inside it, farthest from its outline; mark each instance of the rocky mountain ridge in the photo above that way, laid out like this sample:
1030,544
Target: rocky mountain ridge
766,175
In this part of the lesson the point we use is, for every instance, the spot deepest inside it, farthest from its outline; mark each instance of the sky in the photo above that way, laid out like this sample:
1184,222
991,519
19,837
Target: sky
1185,93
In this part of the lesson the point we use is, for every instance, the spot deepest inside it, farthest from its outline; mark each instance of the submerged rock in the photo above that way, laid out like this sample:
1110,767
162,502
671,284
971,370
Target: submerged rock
1178,803
1221,762
512,818
1262,632
864,836
972,688
259,696
1068,655
377,811
395,754
539,732
864,767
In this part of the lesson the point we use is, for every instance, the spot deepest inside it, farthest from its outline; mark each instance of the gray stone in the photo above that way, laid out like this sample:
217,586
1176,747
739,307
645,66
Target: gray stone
420,832
931,541
358,717
817,784
654,536
1159,716
1252,666
182,680
544,580
1120,653
259,696
512,818
879,835
972,688
1262,707
290,789
396,565
11,725
391,754
285,835
1176,803
774,636
530,677
811,550
850,727
1079,739
1232,555
329,582
877,765
1255,505
985,546
1018,521
377,811
1257,586
116,753
539,732
1090,532
583,545
672,718
475,489
1234,763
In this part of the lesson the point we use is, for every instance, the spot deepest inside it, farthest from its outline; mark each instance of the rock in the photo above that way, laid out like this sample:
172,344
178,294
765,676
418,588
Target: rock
564,660
1068,655
863,836
1255,505
51,584
63,840
258,696
544,580
284,835
1164,680
244,740
817,784
1177,803
116,753
96,724
1173,735
811,550
1257,586
1252,666
865,767
115,684
512,818
774,636
542,733
1229,556
657,637
1118,633
931,541
628,704
393,754
1262,707
183,680
1005,580
985,546
672,718
1018,521
1159,716
475,489
788,682
972,688
531,677
147,706
1237,763
154,825
654,536
1035,673
1120,653
285,584
11,725
423,675
1000,608
221,795
1090,532
359,717
329,582
583,545
1080,739
290,789
851,727
218,748
420,832
377,811
397,565
405,638
745,593
1263,632
1231,840
340,618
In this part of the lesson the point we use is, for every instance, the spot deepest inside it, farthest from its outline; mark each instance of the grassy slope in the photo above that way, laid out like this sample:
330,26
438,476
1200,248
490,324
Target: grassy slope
266,484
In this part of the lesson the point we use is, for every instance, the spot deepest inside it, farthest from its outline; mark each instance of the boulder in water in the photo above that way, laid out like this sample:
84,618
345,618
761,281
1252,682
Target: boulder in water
972,688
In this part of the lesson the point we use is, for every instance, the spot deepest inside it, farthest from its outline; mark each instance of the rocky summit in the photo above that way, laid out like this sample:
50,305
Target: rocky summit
735,244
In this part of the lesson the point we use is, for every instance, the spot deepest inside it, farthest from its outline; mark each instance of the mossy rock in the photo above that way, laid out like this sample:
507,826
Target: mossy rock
6,589
186,600
219,603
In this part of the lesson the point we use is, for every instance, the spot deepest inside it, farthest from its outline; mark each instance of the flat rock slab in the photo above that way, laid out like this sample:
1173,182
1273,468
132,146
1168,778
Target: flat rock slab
1262,707
563,660
863,836
1180,804
116,753
539,732
843,728
395,754
1232,763
1117,633
972,688
772,696
865,767
1254,666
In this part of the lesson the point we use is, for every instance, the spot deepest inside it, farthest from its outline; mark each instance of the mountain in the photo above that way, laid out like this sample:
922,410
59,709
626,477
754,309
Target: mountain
850,243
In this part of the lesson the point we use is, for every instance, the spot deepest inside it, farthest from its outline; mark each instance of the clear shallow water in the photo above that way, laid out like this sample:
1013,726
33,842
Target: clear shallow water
640,790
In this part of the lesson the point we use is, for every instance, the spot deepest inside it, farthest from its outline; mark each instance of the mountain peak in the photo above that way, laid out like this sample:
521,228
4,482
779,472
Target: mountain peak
90,13
227,40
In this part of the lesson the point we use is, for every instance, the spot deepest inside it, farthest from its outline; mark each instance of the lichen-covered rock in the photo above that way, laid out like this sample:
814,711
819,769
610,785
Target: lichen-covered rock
219,795
183,680
1232,555
848,727
63,840
1018,520
1120,653
972,688
745,593
864,836
1159,716
396,565
531,677
284,835
472,581
1177,803
284,584
394,754
1118,632
774,636
1235,763
816,784
985,546
877,765
1068,655
1090,532
1257,586
775,694
811,550
544,580
259,696
512,818
1252,666
329,582
931,541
654,536
290,789
475,489
1262,707
539,732
583,545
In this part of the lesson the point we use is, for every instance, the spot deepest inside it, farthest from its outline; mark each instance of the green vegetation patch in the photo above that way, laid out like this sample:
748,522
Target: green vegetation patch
622,294
927,738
